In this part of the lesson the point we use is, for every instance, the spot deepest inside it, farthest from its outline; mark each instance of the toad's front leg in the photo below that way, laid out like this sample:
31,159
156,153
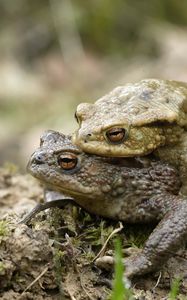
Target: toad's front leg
166,238
169,235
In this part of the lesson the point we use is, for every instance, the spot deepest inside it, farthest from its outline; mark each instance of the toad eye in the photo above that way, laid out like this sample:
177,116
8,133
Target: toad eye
67,161
116,135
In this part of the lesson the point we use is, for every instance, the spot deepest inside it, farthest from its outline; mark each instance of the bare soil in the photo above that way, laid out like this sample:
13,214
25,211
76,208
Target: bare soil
52,258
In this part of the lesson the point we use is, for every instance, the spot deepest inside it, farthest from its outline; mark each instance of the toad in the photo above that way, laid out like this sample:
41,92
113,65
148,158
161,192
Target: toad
130,192
136,119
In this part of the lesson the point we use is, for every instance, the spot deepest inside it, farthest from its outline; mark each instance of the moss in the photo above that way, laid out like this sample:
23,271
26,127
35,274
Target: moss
2,268
3,228
135,235
58,266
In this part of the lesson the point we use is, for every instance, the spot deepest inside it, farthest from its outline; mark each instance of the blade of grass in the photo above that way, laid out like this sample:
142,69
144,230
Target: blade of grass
175,289
120,291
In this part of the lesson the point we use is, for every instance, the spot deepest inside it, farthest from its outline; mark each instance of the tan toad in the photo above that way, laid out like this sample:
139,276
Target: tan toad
149,116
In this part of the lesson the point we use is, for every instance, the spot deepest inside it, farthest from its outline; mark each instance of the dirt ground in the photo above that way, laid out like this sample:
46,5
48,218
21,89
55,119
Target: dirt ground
52,258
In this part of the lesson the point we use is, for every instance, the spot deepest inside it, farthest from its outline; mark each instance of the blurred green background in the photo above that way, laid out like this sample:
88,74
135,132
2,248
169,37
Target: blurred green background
55,54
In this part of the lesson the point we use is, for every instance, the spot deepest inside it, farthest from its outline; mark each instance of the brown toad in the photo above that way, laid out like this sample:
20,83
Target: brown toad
149,116
129,192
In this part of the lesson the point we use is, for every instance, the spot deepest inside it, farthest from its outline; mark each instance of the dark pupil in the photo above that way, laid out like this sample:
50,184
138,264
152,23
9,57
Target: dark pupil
68,160
67,163
115,133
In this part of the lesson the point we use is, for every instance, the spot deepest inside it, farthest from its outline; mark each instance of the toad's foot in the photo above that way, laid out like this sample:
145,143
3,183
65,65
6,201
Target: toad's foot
166,239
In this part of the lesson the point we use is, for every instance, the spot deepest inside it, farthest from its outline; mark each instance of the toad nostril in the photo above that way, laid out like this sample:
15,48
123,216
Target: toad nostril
39,158
87,137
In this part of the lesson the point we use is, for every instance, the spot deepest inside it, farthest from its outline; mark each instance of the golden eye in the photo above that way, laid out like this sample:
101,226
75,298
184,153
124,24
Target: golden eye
116,135
67,161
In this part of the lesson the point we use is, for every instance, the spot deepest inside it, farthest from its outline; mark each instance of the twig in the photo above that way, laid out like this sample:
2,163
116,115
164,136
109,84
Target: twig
83,287
158,280
35,280
101,252
71,296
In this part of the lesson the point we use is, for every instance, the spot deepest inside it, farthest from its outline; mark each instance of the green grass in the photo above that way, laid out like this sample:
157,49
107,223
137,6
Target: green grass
120,290
174,289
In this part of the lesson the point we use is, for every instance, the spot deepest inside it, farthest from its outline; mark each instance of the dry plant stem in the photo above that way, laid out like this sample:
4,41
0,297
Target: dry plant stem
83,287
69,292
158,281
101,252
77,271
34,281
71,296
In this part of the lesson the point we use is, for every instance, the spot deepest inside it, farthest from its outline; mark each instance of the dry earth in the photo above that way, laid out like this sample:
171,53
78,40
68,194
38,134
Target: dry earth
52,257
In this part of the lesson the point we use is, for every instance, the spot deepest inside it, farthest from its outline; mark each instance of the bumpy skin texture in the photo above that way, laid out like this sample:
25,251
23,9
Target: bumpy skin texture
145,110
154,115
130,192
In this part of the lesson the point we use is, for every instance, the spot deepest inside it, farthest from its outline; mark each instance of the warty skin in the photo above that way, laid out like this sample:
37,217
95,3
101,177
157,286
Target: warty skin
128,192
